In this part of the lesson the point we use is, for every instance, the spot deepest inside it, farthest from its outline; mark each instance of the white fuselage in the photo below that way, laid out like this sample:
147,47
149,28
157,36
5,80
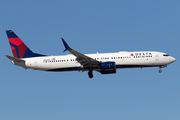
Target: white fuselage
121,59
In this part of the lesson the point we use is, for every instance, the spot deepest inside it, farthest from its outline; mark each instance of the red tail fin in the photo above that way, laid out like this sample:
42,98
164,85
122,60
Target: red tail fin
19,49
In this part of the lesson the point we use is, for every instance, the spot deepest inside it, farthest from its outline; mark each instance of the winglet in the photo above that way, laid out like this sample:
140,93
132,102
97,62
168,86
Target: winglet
65,45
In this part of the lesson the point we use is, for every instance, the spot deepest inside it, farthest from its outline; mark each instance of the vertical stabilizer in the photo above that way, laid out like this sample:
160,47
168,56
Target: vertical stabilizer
19,49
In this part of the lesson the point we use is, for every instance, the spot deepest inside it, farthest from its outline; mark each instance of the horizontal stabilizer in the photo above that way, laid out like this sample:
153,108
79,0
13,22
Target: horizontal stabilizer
14,59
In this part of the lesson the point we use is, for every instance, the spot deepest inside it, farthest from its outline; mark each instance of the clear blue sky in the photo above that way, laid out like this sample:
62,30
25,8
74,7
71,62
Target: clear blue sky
89,27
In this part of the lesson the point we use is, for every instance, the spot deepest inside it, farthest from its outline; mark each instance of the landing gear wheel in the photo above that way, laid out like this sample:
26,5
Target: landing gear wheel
90,74
160,70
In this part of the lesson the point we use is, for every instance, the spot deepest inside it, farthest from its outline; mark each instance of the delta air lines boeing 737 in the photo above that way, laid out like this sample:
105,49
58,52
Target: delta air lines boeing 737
105,63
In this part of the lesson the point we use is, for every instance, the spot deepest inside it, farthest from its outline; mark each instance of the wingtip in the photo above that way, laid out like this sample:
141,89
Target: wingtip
65,45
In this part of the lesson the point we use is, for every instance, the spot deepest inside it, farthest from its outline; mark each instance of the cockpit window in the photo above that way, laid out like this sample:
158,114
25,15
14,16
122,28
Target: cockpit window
165,55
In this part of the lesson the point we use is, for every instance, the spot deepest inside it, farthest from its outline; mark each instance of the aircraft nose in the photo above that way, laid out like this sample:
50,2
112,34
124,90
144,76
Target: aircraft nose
173,59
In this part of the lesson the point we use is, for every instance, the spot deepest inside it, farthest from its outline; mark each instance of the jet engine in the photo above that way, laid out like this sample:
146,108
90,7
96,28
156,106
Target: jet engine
108,68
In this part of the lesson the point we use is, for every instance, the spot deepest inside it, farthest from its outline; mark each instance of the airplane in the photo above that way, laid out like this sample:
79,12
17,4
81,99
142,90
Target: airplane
105,63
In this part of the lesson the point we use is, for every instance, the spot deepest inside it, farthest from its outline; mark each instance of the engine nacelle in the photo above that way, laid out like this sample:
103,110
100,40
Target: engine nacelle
108,71
108,68
108,65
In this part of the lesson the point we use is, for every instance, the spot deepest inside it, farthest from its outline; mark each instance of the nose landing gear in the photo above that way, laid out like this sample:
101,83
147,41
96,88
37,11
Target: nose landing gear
160,70
90,74
163,66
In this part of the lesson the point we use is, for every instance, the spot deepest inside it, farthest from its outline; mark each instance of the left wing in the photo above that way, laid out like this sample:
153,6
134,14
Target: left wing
85,61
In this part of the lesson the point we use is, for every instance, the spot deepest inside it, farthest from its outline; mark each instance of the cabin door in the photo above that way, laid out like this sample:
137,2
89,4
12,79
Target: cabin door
157,57
36,63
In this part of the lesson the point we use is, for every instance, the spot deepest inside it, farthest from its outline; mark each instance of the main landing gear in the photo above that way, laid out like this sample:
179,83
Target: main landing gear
90,74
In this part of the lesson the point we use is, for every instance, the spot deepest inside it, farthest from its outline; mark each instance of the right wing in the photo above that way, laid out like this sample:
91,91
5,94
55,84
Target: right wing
85,61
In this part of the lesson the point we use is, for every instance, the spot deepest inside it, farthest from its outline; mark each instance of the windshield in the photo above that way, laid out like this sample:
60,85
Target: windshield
165,55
